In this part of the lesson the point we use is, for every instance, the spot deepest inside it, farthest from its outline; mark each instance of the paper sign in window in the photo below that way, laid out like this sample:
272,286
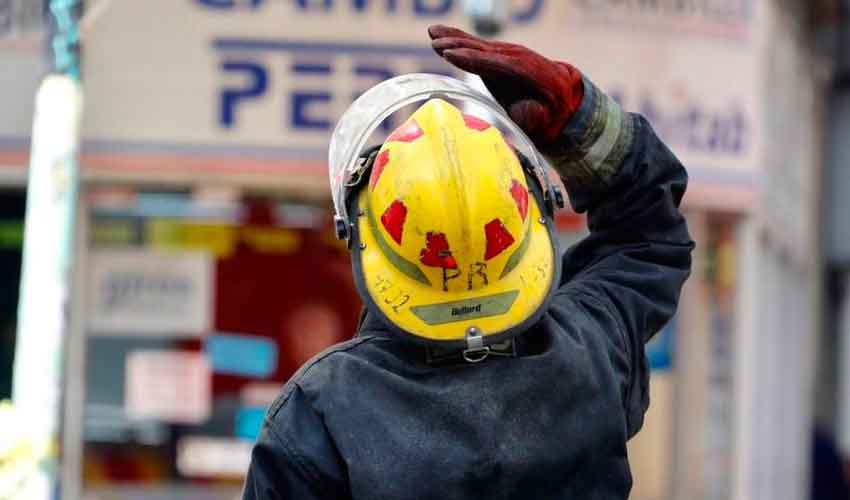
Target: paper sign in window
171,386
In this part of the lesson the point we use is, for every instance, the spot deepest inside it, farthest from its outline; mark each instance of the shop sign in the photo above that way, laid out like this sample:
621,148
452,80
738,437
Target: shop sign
267,78
522,11
138,291
171,386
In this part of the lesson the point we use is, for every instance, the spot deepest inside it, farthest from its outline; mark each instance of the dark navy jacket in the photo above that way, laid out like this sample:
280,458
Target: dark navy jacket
371,419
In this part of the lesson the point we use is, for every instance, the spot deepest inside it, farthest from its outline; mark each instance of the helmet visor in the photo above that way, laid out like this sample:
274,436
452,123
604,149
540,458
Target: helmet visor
365,115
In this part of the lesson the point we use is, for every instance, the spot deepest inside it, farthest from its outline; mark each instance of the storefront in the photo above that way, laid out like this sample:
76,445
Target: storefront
199,305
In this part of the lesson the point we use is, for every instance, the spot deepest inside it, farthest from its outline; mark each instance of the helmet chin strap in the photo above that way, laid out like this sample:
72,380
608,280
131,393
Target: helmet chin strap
475,351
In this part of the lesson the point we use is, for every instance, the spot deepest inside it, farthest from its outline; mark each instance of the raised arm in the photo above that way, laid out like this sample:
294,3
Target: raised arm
625,278
638,254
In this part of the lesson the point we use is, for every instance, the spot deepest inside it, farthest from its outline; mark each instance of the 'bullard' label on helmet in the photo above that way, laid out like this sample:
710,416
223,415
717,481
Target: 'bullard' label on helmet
462,310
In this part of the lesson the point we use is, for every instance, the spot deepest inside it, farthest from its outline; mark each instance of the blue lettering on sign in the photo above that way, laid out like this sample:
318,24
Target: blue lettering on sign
528,11
302,68
432,7
301,117
307,95
697,128
305,4
230,97
360,5
691,124
301,100
229,4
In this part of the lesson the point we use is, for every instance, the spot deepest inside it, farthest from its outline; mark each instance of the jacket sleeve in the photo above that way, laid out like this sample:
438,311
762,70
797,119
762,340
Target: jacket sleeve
294,457
628,273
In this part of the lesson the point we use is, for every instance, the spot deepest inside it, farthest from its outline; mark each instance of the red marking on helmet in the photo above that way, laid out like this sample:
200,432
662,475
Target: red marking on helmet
498,238
408,132
475,123
437,253
378,168
520,195
393,219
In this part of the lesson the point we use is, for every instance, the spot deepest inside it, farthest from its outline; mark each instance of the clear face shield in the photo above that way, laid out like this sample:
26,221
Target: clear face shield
360,122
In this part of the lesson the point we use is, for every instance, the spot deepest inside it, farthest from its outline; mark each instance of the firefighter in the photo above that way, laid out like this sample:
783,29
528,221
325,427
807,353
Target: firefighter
488,364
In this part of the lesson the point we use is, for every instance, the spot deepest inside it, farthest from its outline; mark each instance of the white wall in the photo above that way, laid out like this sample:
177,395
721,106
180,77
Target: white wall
780,282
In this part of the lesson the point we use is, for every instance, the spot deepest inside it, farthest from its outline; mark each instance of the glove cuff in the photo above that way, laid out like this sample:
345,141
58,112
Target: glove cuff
594,142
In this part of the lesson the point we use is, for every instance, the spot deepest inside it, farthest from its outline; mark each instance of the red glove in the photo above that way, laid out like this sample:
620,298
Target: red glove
539,94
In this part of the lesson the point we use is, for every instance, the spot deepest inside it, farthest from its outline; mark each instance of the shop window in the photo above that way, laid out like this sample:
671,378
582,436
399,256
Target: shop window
198,311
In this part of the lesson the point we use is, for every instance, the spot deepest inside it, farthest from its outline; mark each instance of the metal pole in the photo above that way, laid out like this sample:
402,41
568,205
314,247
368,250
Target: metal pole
47,251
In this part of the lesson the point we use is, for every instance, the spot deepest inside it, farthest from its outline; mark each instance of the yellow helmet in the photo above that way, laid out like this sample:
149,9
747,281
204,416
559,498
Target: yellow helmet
451,239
